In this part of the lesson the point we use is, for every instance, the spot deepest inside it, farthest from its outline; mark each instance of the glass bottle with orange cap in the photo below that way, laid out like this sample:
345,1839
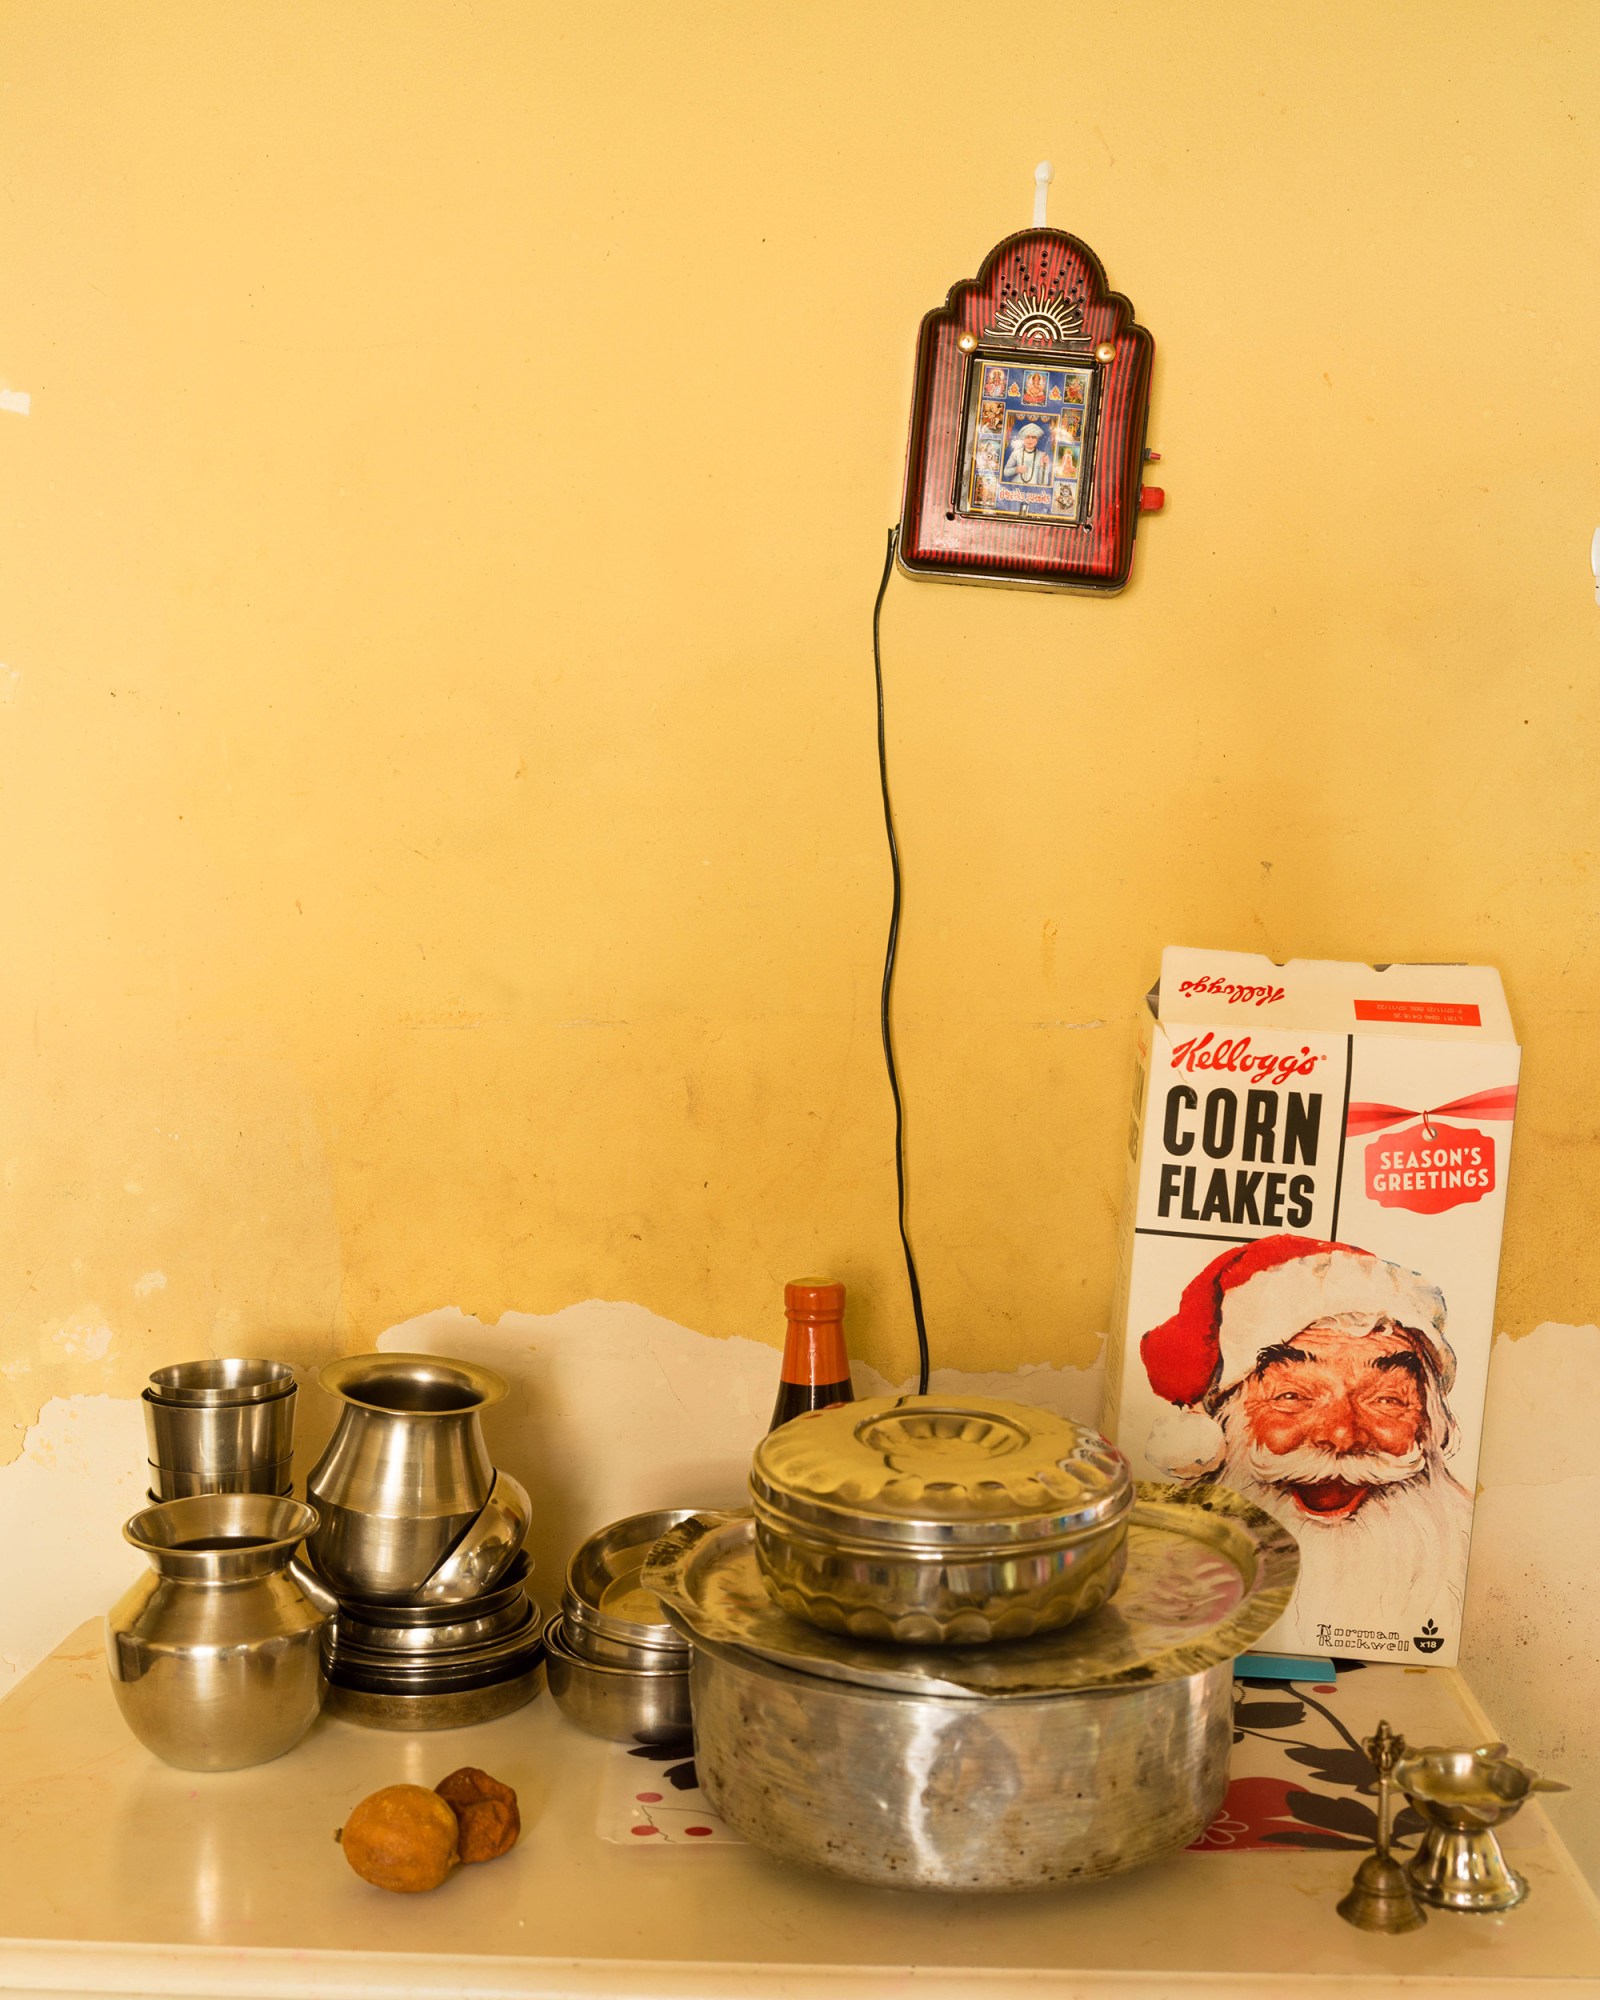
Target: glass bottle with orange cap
816,1365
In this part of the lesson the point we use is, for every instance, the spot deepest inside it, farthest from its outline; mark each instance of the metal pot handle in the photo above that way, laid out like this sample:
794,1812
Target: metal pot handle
313,1586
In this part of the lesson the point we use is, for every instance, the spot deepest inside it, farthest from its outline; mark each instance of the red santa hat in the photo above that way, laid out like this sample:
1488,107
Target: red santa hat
1254,1298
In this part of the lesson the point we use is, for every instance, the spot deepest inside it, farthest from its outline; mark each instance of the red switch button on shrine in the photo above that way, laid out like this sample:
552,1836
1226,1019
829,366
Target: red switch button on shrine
1152,499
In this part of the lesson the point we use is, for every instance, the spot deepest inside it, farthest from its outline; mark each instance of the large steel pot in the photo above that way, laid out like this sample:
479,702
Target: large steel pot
948,1792
1060,1758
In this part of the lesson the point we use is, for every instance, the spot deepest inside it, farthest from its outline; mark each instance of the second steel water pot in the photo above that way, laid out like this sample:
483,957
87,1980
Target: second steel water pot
215,1656
405,1474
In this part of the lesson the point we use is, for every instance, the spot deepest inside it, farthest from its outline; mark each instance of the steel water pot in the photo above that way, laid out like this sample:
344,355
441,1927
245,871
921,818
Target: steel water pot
405,1474
215,1657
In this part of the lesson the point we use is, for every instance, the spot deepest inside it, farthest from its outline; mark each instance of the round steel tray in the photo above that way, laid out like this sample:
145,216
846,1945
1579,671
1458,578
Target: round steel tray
457,1670
414,1617
460,1709
1207,1574
419,1640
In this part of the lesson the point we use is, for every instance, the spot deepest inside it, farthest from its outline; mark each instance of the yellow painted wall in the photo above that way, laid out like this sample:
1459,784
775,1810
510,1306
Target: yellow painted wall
436,758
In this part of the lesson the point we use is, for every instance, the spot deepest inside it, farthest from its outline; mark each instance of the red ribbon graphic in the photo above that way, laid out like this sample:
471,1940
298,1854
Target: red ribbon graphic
1497,1103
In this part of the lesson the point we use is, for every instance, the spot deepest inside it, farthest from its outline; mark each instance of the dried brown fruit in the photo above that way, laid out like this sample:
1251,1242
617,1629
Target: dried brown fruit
486,1810
403,1838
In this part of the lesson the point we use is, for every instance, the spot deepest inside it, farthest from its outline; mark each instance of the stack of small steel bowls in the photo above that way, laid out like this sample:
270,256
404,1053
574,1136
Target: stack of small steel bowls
616,1667
220,1426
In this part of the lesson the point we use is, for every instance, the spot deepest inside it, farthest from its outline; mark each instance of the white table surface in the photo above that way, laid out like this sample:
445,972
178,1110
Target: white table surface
119,1875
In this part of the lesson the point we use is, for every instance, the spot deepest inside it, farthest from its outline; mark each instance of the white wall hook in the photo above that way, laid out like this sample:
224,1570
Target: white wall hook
1043,175
1594,563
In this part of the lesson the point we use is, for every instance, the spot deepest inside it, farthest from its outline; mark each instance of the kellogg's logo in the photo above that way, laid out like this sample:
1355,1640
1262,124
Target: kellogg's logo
1225,989
1235,1055
1431,1166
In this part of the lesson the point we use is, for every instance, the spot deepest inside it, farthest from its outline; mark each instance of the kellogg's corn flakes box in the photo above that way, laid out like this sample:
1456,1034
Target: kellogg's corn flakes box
1310,1252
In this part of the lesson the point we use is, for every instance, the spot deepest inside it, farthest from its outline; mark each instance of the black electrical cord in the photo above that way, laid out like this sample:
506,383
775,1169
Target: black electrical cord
888,985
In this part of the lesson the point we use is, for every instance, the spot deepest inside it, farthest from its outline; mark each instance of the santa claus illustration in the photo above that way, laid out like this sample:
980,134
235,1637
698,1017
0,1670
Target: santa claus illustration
1312,1377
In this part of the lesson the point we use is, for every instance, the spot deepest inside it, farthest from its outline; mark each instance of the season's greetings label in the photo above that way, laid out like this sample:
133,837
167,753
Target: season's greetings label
1430,1167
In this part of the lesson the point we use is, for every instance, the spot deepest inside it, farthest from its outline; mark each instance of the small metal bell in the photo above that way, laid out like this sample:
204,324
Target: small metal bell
1381,1897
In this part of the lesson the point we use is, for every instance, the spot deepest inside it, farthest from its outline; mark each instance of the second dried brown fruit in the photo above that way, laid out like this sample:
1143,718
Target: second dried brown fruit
486,1812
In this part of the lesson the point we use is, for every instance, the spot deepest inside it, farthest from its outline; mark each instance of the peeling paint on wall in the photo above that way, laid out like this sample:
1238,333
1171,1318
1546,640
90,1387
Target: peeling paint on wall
85,1336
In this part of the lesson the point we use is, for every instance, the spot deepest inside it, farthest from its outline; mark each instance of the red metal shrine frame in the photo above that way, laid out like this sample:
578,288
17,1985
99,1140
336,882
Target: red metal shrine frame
1027,426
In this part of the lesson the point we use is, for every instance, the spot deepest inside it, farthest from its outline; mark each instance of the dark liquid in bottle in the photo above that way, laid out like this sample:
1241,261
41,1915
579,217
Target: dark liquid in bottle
795,1398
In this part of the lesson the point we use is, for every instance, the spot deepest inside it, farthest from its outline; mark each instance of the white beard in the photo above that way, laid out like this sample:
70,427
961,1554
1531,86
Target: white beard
1398,1560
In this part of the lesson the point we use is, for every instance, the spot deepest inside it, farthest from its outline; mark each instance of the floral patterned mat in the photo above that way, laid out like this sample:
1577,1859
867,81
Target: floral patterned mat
651,1798
1298,1778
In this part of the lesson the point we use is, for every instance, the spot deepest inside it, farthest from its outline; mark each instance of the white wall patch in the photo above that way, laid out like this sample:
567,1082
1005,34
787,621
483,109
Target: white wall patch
17,401
80,1476
84,1337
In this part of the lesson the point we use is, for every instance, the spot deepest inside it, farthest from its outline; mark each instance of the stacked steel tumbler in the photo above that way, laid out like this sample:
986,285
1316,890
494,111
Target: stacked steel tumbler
223,1426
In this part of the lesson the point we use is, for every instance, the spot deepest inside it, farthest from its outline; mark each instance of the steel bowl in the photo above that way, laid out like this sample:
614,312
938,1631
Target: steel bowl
595,1642
475,1663
603,1590
939,1520
421,1632
420,1640
622,1704
381,1611
450,1708
486,1550
451,1687
212,1383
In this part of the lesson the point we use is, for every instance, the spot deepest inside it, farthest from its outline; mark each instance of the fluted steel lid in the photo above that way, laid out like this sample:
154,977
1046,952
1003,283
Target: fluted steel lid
939,1472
